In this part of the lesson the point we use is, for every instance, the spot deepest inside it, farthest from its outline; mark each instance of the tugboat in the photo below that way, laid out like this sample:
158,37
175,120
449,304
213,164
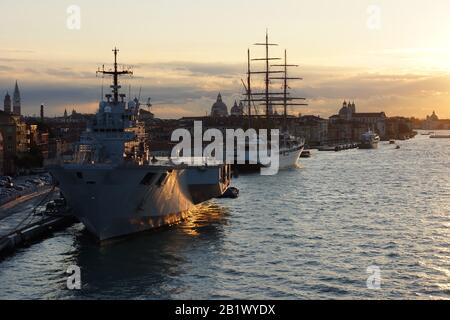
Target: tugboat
115,195
369,140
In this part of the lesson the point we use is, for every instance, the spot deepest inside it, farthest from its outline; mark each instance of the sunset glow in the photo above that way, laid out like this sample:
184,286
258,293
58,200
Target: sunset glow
395,59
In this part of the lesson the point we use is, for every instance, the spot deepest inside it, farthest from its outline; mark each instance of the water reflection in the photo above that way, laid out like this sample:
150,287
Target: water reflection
147,265
306,233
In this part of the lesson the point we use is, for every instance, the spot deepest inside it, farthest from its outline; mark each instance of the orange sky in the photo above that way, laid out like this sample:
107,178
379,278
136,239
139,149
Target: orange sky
385,55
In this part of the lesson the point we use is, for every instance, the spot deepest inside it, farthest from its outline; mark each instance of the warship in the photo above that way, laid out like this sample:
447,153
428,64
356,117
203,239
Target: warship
115,195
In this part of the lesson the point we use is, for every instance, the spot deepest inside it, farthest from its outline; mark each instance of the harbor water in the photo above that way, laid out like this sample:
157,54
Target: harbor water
308,233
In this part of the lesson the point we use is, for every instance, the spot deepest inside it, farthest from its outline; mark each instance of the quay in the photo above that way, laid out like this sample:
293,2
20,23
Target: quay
34,232
28,220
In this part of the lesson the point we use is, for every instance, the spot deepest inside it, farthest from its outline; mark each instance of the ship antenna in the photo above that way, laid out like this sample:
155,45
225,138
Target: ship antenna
115,73
103,84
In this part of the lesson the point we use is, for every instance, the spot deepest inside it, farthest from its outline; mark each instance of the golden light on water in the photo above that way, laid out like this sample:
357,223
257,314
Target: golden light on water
203,215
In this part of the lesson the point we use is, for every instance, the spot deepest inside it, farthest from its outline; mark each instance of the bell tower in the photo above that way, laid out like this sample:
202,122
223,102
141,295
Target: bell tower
7,103
16,101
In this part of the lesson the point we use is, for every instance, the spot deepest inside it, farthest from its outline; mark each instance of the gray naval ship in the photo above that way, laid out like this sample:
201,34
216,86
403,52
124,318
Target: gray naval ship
113,195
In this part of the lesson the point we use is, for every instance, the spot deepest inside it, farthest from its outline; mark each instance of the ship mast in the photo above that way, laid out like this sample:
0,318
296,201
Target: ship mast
266,72
249,90
269,98
115,73
286,97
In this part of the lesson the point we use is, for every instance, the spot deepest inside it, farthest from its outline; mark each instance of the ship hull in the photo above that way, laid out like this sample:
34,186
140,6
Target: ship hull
114,202
288,159
367,146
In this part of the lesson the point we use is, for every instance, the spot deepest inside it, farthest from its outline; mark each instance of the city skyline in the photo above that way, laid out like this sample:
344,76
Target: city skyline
396,63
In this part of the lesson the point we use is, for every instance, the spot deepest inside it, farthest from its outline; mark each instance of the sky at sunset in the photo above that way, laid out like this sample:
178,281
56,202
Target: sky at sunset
386,55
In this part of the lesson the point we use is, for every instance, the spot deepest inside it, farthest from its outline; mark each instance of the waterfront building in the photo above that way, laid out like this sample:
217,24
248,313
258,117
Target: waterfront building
23,135
313,128
399,128
433,122
349,124
7,103
8,130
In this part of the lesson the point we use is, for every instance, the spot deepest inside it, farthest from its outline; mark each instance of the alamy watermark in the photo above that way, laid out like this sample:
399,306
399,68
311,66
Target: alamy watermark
374,17
374,280
73,21
238,147
74,278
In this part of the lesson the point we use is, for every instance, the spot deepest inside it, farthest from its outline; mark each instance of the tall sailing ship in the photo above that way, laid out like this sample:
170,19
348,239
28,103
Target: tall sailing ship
290,147
113,194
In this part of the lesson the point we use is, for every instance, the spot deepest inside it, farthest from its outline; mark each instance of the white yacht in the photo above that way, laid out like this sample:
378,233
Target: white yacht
369,140
113,195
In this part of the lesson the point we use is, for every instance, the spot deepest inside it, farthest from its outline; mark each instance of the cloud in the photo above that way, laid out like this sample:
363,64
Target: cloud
197,68
5,68
189,88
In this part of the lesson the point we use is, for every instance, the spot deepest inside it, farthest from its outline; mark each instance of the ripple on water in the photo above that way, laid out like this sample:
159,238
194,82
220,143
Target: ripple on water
304,234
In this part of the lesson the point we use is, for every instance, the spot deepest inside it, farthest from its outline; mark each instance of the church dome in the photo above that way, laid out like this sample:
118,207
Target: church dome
237,110
219,108
434,117
347,110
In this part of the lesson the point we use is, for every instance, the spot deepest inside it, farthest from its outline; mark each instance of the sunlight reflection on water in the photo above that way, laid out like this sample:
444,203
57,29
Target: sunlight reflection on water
307,233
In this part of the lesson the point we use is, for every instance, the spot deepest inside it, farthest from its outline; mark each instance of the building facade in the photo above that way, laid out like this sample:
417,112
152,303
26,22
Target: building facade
350,125
8,131
7,103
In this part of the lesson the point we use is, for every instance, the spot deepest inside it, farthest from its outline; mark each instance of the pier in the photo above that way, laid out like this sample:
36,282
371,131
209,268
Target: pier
27,220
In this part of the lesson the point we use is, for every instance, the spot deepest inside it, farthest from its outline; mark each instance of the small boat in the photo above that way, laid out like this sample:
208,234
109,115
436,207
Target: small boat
306,154
231,193
392,142
397,147
440,136
328,148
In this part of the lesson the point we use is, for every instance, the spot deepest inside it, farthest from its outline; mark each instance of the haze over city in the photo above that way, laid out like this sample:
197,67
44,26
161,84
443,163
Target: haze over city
182,58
